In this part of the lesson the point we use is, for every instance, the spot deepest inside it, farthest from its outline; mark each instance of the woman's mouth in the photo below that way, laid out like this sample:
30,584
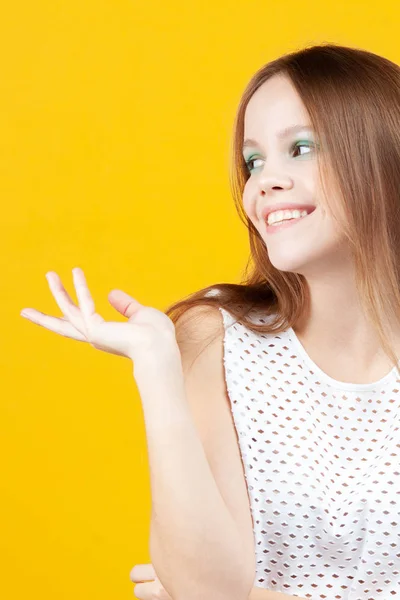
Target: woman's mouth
284,224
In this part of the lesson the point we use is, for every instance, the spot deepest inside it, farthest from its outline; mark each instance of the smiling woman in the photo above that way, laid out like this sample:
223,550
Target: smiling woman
311,335
272,407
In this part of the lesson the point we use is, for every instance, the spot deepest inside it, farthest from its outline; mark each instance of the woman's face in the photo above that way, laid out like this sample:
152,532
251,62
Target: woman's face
284,169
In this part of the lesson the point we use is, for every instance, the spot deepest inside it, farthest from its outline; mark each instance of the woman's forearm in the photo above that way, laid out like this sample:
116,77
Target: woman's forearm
199,547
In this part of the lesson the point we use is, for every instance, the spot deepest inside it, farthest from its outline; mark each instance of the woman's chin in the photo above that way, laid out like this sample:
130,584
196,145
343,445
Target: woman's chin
289,262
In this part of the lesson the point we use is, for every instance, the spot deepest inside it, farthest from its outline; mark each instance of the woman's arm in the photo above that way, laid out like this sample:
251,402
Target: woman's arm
200,553
157,550
201,549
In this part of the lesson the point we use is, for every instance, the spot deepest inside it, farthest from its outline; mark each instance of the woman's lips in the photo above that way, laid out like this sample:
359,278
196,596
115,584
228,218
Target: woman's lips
286,206
285,224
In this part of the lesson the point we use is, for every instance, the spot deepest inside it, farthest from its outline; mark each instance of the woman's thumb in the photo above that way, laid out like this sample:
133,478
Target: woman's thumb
123,303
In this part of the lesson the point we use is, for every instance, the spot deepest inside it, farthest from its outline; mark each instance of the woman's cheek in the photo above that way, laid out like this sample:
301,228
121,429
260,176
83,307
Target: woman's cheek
249,205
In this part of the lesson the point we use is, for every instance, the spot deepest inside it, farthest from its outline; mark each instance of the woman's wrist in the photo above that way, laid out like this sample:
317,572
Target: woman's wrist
160,373
163,398
165,355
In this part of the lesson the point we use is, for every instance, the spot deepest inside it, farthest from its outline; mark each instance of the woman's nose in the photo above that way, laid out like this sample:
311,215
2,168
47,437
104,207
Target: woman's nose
270,181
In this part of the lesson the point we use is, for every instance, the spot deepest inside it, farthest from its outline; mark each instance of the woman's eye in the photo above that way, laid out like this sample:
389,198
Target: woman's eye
250,163
303,144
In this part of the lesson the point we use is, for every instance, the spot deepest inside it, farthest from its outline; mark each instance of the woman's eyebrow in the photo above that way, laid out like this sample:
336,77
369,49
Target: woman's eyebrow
280,135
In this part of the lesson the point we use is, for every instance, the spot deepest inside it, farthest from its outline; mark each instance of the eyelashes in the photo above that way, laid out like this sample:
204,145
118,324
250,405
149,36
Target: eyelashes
298,144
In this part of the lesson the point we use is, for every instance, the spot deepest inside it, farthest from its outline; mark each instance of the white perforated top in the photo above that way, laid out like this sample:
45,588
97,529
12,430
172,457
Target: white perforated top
322,463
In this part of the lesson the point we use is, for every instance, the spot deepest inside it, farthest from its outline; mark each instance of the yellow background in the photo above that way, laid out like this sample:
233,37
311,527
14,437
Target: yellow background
116,120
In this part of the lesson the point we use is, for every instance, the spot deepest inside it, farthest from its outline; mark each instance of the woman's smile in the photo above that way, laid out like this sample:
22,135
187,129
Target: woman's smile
271,229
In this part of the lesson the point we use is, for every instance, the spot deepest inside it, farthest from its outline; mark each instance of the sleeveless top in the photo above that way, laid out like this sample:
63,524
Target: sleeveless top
322,462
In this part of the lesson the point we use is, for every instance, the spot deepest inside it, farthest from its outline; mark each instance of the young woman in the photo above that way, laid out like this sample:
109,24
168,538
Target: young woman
273,419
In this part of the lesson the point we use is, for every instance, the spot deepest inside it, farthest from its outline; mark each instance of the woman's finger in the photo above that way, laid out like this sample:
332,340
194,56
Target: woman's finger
85,300
141,573
59,325
61,296
144,591
152,590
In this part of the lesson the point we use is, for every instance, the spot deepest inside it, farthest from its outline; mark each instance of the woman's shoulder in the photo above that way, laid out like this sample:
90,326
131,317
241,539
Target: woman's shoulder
198,322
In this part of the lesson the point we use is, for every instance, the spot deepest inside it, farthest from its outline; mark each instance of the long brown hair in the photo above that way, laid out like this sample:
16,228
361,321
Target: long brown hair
353,100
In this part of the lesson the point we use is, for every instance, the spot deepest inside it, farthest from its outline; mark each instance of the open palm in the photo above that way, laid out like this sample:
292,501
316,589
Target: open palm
146,330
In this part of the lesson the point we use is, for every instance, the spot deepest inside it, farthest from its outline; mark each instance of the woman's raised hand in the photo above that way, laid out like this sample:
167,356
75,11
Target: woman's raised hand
146,332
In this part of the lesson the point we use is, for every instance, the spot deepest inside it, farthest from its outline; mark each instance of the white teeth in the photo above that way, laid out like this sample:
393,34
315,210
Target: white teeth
282,215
